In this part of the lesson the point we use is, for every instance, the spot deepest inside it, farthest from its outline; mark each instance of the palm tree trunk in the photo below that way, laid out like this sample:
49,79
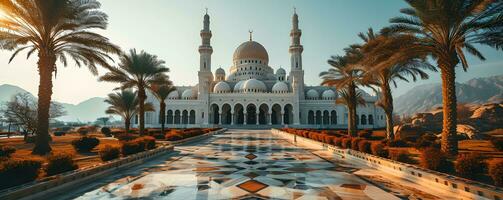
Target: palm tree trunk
142,96
449,143
352,110
387,106
45,68
162,115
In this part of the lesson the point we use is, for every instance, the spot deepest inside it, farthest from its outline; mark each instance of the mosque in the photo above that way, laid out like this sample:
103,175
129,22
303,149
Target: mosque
253,94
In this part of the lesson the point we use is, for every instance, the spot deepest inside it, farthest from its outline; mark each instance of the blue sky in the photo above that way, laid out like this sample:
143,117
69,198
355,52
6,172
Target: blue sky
170,29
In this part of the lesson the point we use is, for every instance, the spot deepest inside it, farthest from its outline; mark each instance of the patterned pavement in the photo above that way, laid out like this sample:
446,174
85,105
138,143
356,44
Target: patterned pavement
240,164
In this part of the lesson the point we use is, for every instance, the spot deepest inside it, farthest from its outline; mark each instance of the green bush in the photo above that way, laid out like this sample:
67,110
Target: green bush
109,153
364,146
497,143
469,165
30,139
401,156
85,144
149,142
6,151
379,150
60,163
126,136
496,172
106,131
132,147
354,143
434,159
17,172
346,143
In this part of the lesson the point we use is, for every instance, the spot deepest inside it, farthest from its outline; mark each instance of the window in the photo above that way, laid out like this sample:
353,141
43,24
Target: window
204,65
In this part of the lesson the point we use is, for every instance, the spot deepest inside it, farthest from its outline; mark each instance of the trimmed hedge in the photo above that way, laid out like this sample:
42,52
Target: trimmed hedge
85,144
132,147
364,146
469,165
126,136
109,152
60,163
6,151
379,150
18,172
106,131
434,159
496,172
346,143
354,143
497,143
401,156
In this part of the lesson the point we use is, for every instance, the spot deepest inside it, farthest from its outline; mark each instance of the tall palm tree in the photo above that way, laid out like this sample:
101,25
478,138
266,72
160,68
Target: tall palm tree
346,80
161,92
56,30
445,30
140,71
383,77
126,105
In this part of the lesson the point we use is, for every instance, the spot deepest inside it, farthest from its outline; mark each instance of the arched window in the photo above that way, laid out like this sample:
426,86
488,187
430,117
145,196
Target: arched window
371,120
364,120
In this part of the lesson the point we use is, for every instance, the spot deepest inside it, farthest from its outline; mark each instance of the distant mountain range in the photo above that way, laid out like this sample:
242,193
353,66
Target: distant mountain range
424,97
86,111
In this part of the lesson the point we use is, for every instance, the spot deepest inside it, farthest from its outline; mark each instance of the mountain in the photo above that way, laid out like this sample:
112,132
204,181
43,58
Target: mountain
85,111
425,97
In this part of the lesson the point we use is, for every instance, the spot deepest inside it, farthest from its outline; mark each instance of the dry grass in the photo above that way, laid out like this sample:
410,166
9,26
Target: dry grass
60,144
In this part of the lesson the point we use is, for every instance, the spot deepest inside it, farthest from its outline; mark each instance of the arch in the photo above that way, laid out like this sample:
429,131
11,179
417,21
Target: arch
333,117
177,117
226,114
364,120
288,114
326,117
371,120
310,117
169,117
263,116
185,117
192,117
357,119
251,114
214,115
318,117
276,114
238,114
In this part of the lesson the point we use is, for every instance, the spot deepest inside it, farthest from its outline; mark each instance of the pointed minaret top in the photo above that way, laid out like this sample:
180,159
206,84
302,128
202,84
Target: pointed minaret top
251,32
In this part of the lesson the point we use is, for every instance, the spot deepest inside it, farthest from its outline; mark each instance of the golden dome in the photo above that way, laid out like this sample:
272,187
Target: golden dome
251,50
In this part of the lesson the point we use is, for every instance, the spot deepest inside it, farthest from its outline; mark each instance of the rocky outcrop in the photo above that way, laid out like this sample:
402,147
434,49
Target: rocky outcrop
468,131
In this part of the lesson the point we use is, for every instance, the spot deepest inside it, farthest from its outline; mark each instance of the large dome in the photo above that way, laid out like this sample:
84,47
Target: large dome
280,87
222,87
251,50
253,85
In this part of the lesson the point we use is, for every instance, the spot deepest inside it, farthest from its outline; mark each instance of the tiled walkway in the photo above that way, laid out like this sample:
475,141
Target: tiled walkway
239,164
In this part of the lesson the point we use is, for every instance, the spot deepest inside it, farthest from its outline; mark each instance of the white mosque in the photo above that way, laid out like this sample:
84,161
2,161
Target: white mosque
252,94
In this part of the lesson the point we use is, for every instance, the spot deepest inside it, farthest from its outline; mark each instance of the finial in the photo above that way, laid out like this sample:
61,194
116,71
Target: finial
294,10
250,31
206,10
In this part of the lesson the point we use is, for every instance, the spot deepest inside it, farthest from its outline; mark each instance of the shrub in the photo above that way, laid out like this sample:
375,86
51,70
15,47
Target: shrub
83,131
354,143
59,133
29,139
329,139
106,131
126,136
497,143
397,143
85,144
401,156
364,134
60,163
496,172
434,159
18,172
364,146
338,141
427,140
159,136
132,147
469,165
346,143
109,153
173,137
6,151
378,150
149,142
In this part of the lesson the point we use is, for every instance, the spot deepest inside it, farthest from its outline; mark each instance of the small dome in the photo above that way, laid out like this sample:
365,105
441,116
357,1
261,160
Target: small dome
280,87
251,50
238,86
281,71
189,94
174,95
220,71
328,94
254,85
222,87
312,94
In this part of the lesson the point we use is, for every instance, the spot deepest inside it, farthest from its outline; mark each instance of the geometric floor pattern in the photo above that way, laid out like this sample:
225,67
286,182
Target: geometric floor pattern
241,164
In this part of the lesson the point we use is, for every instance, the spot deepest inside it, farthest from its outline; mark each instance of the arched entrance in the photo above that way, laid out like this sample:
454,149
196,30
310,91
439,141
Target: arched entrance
177,117
215,117
310,117
326,117
251,114
276,114
333,117
169,117
264,114
226,114
185,117
288,114
238,114
318,117
192,117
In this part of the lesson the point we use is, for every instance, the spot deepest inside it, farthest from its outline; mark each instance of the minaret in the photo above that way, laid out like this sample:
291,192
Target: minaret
205,75
296,73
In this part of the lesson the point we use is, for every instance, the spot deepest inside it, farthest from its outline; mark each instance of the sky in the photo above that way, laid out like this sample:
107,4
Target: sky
170,30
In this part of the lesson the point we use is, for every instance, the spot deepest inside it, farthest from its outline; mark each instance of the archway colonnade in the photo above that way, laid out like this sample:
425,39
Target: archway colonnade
181,117
251,114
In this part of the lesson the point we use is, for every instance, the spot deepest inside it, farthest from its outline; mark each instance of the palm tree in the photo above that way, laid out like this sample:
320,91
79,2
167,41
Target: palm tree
385,76
161,92
140,71
126,105
445,30
56,30
346,80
